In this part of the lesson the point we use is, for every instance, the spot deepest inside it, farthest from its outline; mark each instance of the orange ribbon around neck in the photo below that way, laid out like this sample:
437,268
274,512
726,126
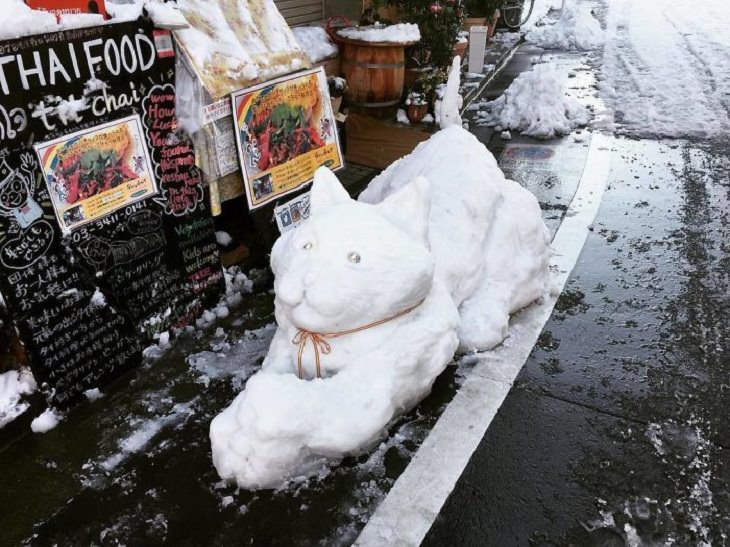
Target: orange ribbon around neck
320,344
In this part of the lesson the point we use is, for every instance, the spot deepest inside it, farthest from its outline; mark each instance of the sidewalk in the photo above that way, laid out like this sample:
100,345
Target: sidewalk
135,467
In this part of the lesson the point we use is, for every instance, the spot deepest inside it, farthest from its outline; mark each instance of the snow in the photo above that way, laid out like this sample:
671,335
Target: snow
223,238
14,384
165,15
576,29
447,112
236,285
540,9
97,299
17,19
46,421
315,43
402,117
396,313
666,68
233,43
397,34
80,20
536,105
93,394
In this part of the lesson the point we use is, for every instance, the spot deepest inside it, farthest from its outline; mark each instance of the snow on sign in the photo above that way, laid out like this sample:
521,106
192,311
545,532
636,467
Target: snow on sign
97,171
105,237
285,130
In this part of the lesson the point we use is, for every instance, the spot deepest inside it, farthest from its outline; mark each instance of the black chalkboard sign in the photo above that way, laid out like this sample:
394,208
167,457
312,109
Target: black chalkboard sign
105,235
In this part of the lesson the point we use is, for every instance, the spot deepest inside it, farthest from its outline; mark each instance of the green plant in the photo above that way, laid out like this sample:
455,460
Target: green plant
439,22
481,8
425,86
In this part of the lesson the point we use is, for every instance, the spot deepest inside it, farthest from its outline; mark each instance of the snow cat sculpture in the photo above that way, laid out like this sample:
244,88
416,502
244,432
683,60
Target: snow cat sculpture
373,299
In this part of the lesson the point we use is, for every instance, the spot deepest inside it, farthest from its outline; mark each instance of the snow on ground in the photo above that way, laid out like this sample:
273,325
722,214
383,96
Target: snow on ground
666,67
46,421
315,43
237,284
575,29
400,33
540,9
536,105
14,384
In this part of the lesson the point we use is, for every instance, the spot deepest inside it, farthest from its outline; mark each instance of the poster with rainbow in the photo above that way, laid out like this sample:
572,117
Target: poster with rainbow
285,130
94,172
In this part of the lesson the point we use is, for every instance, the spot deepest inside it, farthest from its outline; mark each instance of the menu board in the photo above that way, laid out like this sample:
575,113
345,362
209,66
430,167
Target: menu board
105,235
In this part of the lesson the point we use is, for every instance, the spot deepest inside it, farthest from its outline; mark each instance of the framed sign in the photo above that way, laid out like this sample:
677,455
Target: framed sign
285,130
94,172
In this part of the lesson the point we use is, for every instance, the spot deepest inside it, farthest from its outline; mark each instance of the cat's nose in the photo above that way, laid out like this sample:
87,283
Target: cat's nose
289,291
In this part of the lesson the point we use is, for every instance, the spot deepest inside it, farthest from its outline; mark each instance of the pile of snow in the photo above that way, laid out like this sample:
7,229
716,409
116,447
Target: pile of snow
536,105
373,298
576,29
223,239
13,385
315,43
397,34
237,284
48,420
17,19
665,82
540,9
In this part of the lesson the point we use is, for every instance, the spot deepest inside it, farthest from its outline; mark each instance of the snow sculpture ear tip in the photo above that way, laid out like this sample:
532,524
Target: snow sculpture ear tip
327,190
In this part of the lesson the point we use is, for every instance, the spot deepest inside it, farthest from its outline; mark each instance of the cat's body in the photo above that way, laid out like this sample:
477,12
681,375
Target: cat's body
385,293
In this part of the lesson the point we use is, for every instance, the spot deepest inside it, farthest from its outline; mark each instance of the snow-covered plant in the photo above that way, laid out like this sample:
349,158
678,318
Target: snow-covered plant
415,98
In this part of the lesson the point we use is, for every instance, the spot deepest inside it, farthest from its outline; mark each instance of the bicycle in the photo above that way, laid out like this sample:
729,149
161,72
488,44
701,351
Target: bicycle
515,13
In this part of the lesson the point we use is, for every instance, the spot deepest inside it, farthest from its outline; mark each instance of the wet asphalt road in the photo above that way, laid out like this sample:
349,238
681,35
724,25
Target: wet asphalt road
616,431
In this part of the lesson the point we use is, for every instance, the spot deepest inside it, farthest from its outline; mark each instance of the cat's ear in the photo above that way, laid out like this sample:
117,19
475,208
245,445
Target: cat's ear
326,190
409,208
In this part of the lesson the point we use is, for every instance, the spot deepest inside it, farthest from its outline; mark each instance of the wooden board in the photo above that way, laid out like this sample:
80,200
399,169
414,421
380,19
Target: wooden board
373,143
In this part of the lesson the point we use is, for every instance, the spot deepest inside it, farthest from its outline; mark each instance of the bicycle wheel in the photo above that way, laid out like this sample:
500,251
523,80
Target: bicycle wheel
515,13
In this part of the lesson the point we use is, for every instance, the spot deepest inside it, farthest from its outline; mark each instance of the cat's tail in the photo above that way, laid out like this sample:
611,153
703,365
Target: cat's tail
450,103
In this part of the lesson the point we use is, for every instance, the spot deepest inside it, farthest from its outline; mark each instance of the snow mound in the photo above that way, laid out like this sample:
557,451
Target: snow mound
48,420
576,29
536,105
13,385
397,34
18,20
315,43
364,328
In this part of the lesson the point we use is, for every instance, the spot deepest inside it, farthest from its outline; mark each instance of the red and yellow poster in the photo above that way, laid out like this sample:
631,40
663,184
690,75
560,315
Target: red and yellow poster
285,130
94,172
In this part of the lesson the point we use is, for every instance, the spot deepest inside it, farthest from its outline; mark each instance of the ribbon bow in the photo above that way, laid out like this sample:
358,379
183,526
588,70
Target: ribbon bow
321,346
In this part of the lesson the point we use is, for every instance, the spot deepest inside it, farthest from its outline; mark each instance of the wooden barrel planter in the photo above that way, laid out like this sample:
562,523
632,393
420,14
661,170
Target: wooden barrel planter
374,72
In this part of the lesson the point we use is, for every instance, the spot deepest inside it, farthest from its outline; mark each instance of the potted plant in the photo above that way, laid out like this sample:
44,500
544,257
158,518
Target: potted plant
481,13
421,94
416,106
439,22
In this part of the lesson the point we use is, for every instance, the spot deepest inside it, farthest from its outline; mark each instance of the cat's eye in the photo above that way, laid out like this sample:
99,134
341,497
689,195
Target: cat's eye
308,245
353,257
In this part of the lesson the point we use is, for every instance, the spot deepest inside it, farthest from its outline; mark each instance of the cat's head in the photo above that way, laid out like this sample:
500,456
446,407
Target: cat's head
352,263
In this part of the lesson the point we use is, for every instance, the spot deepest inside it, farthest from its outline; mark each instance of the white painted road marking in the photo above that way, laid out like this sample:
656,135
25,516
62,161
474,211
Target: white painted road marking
407,513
